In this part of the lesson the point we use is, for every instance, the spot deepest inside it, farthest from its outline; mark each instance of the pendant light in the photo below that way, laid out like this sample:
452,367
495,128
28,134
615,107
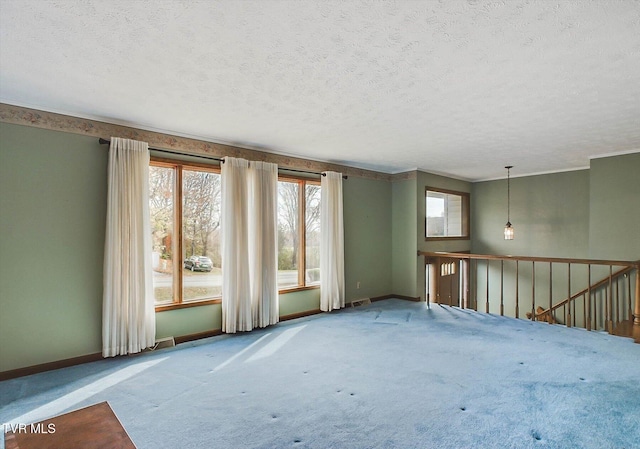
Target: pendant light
508,229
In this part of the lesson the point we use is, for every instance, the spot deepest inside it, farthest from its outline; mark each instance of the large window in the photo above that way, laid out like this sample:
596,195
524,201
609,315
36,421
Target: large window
185,220
298,233
447,214
184,202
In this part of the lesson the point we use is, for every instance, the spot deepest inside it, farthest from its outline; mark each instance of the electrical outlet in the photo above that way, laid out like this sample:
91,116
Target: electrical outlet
358,284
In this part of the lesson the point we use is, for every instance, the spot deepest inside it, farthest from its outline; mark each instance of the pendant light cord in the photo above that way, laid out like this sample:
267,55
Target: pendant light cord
509,167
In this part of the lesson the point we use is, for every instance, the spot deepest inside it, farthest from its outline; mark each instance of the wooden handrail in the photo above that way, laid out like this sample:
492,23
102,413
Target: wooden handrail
584,291
610,313
620,263
636,310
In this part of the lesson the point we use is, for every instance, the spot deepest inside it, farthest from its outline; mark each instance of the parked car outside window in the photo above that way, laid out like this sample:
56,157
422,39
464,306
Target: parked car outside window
198,263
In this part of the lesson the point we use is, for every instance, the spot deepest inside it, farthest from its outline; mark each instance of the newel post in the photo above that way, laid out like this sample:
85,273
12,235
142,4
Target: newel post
636,312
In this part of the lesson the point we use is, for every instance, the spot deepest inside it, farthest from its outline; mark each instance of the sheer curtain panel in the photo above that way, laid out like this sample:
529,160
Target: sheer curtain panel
236,291
263,239
128,314
249,245
331,243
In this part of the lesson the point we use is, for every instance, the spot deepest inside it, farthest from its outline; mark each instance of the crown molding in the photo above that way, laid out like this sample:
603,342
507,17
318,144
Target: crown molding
617,153
405,175
19,115
526,175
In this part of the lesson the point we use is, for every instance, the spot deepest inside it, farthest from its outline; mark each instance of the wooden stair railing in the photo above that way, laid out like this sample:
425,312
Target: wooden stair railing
592,288
599,308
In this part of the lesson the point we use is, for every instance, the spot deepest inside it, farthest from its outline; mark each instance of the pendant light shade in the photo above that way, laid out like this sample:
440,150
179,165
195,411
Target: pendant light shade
508,229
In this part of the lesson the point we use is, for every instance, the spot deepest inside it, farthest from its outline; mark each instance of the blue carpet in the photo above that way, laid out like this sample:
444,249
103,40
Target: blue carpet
392,374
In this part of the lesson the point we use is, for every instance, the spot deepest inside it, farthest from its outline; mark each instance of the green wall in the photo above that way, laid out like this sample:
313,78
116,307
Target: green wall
188,321
367,238
590,213
425,180
199,319
408,229
550,215
52,222
53,207
614,215
53,212
403,229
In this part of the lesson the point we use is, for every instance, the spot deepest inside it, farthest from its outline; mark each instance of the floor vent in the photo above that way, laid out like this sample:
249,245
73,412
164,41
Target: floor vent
360,302
167,342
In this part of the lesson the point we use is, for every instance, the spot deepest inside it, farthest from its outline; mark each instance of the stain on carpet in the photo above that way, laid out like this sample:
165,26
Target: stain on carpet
393,317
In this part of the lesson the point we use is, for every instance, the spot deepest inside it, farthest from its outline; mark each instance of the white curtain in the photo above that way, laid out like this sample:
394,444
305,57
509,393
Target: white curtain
331,243
128,315
263,239
249,245
236,291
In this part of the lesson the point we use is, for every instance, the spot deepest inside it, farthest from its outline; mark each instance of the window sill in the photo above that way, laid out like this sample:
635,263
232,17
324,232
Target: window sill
298,288
206,302
436,239
186,305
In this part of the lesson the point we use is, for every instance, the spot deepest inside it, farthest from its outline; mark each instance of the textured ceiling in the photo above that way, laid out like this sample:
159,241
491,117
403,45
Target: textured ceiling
461,88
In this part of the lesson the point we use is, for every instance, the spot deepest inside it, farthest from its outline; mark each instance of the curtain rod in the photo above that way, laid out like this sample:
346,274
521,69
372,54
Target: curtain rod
102,141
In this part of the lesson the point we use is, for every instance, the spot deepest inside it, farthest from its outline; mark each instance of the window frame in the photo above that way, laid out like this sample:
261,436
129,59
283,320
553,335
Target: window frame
178,279
302,234
465,219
